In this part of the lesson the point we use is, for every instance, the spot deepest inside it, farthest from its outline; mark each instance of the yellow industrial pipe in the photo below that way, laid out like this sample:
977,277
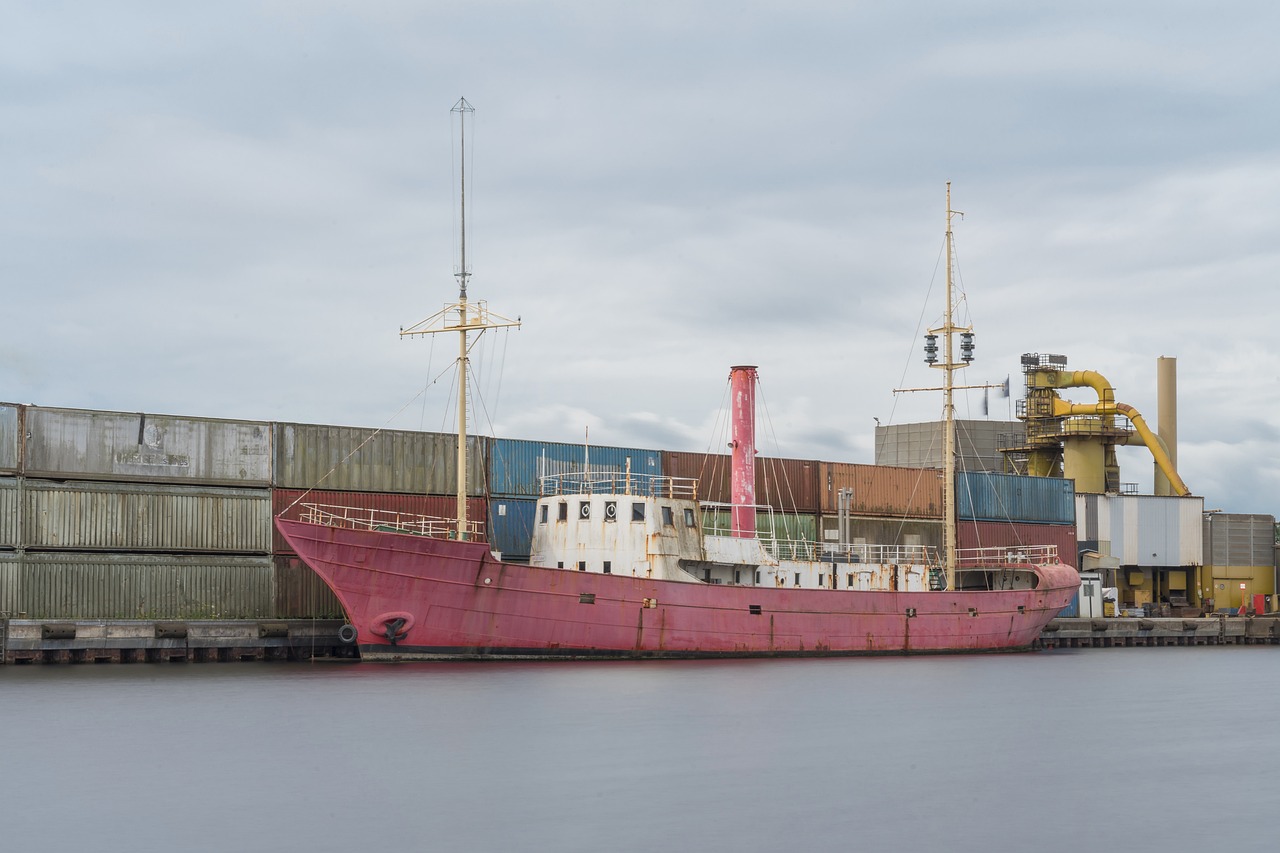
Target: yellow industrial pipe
1063,408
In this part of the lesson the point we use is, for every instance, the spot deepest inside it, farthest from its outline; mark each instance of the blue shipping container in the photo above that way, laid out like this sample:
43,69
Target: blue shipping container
1072,610
511,526
515,465
983,496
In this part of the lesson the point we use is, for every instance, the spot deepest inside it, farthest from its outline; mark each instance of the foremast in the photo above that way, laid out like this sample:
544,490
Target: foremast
461,317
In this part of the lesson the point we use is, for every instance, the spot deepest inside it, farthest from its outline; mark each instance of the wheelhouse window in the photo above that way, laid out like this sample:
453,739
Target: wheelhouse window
543,516
610,510
668,517
688,518
608,567
564,511
637,512
584,509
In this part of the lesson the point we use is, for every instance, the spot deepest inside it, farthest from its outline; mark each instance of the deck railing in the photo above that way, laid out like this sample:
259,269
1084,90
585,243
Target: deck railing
618,483
388,521
974,558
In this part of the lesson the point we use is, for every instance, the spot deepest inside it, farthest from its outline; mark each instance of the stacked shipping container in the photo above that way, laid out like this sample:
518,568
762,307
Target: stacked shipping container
117,515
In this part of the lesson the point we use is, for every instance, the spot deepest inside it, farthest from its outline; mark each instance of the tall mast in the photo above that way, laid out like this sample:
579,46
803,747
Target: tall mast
949,366
469,317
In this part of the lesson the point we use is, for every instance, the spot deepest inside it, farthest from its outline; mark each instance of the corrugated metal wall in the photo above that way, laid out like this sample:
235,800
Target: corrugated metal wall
511,523
1238,539
152,448
790,526
884,531
136,586
993,534
882,491
790,485
921,445
87,516
1010,497
10,565
299,592
1145,530
10,426
355,459
288,504
10,531
515,464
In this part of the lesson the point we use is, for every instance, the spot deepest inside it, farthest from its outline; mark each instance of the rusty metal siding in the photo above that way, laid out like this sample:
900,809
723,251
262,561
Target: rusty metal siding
10,504
880,490
95,445
138,586
288,503
300,594
997,534
786,484
357,459
516,464
1011,497
10,428
85,516
1239,539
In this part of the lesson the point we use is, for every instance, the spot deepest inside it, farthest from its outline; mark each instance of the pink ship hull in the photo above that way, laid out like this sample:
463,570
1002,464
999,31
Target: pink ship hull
457,601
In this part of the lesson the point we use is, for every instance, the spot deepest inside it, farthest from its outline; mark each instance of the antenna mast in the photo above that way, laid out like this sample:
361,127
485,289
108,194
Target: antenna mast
470,316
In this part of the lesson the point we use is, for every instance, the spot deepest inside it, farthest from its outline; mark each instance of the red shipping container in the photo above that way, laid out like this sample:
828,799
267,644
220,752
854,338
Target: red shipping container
1003,534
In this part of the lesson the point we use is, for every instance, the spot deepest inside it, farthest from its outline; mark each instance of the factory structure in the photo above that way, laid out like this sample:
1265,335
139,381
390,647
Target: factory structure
1165,551
116,515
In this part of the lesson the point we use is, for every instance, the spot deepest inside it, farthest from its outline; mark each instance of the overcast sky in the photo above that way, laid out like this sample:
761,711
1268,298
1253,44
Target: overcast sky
229,210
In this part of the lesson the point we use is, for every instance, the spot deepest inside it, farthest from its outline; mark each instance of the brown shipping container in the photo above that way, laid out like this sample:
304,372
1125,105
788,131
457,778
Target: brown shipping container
786,484
1000,534
86,516
300,594
883,490
360,459
288,503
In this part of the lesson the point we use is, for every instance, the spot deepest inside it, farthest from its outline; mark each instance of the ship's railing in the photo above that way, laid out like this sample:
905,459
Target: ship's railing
973,558
618,483
916,555
388,521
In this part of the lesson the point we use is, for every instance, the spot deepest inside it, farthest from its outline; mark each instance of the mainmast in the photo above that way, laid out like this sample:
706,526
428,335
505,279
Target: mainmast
948,367
470,317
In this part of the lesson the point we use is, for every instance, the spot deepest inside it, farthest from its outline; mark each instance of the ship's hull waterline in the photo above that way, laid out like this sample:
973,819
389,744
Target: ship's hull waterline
448,599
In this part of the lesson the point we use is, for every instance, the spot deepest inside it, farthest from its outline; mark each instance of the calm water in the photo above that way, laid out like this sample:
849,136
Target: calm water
1121,749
